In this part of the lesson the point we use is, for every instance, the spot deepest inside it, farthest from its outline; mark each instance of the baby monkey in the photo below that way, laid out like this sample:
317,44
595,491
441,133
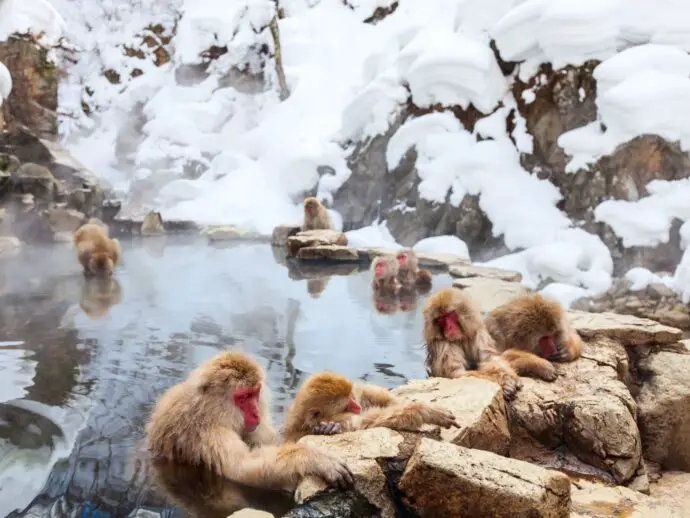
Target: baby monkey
329,403
97,253
315,215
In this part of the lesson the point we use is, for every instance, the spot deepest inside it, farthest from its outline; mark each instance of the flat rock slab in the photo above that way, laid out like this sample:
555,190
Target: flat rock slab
673,488
229,232
490,293
361,451
595,501
664,408
465,272
282,232
312,238
442,479
625,329
477,404
588,409
328,252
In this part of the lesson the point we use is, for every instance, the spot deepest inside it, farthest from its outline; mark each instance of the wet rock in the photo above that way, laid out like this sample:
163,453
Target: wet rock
34,99
64,220
588,409
596,501
9,246
477,404
664,408
282,232
447,480
36,180
227,232
673,488
362,451
336,504
311,238
465,272
328,252
625,329
490,293
9,163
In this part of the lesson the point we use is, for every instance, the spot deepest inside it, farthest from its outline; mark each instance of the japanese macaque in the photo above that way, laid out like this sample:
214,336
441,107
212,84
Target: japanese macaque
152,224
329,403
97,253
218,418
384,270
315,215
534,331
457,342
98,295
205,494
315,287
409,274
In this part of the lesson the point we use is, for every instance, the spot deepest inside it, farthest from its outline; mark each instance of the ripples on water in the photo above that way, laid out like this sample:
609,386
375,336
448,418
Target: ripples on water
75,390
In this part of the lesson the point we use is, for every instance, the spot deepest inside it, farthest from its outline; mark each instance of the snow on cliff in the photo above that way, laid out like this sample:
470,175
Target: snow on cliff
349,80
5,83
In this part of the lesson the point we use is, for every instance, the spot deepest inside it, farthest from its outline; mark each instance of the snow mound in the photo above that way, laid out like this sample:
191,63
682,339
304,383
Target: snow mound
36,16
640,278
5,83
443,244
373,236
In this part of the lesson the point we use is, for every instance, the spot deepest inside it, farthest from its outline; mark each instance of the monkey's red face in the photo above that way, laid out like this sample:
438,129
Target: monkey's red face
547,345
380,270
449,324
247,400
402,259
353,406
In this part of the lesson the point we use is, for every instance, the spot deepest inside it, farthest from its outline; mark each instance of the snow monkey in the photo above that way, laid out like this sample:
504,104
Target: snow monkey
218,417
152,224
315,215
329,403
98,295
534,331
385,276
409,274
457,342
97,253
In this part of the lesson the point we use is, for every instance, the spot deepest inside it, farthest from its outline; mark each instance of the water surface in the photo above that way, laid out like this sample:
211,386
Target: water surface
81,364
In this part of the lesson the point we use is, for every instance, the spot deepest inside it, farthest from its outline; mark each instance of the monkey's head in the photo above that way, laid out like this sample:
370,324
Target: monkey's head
407,259
325,395
450,315
101,265
311,206
423,282
537,320
233,381
384,266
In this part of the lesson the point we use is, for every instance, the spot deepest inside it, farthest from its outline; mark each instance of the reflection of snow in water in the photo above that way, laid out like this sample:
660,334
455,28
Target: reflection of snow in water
17,371
28,453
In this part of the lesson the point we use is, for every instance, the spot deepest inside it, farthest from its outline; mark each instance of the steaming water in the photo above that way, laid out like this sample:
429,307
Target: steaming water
75,391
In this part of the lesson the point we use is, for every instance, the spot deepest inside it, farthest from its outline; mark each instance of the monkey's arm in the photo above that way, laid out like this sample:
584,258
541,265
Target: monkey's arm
409,416
529,364
270,467
498,370
571,347
263,435
373,396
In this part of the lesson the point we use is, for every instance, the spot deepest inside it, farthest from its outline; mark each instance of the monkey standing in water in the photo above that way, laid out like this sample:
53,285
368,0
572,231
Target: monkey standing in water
218,418
457,342
409,274
329,403
532,331
97,253
315,215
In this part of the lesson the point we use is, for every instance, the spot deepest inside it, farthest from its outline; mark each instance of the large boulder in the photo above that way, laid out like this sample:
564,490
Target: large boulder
664,407
447,480
625,329
312,238
478,406
588,410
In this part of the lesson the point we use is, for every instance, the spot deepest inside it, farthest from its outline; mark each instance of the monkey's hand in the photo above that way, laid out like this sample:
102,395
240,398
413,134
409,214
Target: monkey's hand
327,428
510,385
562,354
331,469
439,416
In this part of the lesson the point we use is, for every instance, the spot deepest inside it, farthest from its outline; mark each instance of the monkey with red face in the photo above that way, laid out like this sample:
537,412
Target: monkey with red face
410,276
218,418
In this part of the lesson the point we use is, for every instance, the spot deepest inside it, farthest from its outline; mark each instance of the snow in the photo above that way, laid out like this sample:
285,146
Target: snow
5,83
640,278
36,16
373,236
258,155
443,244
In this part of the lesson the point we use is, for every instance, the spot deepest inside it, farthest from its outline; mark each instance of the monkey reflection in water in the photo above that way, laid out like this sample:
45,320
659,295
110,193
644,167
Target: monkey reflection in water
201,493
98,295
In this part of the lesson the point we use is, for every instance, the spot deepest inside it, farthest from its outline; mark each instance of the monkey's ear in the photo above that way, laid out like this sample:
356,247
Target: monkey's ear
313,414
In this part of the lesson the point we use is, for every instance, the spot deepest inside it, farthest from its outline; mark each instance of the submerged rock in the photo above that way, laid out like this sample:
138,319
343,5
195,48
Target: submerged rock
447,480
281,234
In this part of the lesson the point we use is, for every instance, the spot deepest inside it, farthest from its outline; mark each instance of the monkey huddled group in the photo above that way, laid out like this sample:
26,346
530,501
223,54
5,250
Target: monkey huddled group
397,282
